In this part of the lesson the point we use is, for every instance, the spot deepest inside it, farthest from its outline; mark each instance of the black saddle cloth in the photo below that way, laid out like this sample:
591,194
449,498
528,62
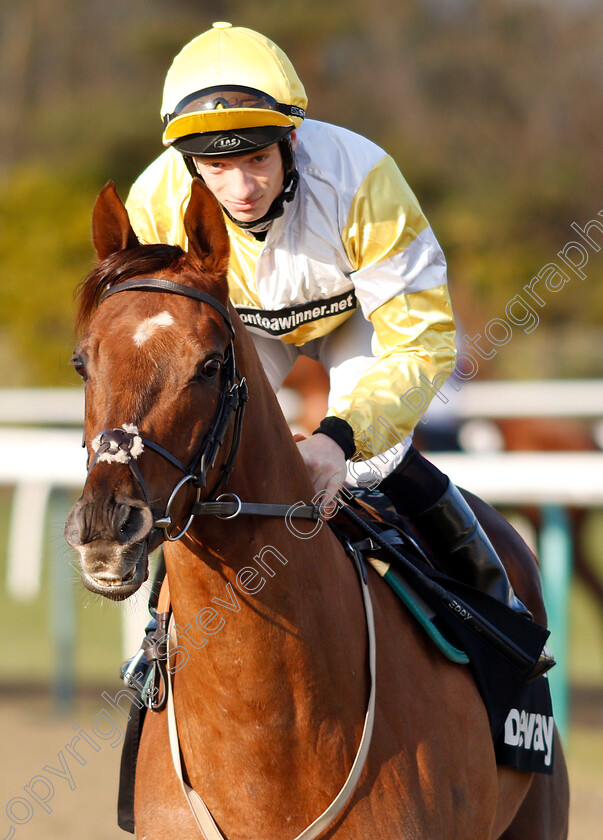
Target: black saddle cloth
519,711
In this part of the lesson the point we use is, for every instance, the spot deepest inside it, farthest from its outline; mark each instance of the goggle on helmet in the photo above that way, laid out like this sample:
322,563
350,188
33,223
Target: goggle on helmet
239,115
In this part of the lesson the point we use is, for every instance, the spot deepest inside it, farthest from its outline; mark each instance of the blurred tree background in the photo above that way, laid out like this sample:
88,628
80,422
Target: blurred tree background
492,109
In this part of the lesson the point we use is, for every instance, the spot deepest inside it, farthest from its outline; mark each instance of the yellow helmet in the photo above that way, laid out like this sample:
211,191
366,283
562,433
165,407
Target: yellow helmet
208,110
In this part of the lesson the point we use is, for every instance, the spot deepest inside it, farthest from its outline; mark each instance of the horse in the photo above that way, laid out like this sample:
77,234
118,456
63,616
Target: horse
271,689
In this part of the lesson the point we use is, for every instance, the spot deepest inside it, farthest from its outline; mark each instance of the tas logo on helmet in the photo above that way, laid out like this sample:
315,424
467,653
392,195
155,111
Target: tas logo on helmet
226,143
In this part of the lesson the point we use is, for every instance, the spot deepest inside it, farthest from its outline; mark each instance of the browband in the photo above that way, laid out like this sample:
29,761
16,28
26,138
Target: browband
158,284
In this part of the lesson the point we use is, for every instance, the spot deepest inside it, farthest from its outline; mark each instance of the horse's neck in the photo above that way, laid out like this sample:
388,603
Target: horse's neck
276,576
277,619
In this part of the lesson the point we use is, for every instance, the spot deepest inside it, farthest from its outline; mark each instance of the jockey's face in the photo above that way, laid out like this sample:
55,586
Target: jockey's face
245,185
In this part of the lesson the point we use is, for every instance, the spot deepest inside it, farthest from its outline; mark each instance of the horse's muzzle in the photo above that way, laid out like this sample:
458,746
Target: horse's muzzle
112,541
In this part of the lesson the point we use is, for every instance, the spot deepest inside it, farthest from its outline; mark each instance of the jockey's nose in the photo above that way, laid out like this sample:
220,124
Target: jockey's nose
242,184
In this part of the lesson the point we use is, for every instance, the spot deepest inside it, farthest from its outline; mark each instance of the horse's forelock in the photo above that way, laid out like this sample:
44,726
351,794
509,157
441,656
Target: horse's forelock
145,260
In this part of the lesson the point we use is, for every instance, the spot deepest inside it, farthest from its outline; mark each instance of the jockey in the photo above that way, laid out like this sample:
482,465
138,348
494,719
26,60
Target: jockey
332,258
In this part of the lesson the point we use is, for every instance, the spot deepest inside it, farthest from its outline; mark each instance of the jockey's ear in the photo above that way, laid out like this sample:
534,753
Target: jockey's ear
204,224
111,228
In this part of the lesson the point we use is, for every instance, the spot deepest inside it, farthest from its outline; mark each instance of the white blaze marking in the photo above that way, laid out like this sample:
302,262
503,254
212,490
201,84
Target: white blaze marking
146,328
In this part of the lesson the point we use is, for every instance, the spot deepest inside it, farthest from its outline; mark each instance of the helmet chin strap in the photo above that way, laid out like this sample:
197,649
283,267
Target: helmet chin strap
277,208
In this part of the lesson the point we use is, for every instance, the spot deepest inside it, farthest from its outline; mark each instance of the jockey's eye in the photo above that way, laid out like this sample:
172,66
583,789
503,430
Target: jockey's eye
80,367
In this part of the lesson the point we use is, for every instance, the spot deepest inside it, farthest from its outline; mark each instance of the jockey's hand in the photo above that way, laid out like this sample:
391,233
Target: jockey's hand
326,463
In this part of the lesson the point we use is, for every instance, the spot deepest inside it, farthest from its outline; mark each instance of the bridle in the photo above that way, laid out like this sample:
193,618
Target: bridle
124,444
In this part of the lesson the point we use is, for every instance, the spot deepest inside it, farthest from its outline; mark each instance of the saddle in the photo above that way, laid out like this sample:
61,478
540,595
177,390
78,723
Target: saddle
394,536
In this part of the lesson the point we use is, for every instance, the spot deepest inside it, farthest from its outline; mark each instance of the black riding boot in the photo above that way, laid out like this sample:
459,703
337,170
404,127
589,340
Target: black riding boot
442,517
452,531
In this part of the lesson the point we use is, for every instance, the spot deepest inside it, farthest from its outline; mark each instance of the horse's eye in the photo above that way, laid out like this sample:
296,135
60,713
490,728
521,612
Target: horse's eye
80,367
207,369
212,367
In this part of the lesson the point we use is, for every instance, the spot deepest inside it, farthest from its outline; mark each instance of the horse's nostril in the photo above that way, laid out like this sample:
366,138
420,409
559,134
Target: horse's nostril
131,522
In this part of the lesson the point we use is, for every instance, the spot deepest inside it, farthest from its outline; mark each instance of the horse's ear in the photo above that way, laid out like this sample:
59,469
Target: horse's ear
111,228
206,230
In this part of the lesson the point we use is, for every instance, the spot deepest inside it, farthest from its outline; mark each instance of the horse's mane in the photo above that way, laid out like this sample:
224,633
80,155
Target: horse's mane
122,265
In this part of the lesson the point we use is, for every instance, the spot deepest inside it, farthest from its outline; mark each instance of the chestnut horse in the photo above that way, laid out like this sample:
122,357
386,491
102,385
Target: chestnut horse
271,692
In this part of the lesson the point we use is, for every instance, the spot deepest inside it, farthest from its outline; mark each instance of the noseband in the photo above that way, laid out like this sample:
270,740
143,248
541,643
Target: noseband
124,445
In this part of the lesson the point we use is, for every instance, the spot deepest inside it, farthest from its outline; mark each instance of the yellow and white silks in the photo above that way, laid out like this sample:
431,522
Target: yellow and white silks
350,274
